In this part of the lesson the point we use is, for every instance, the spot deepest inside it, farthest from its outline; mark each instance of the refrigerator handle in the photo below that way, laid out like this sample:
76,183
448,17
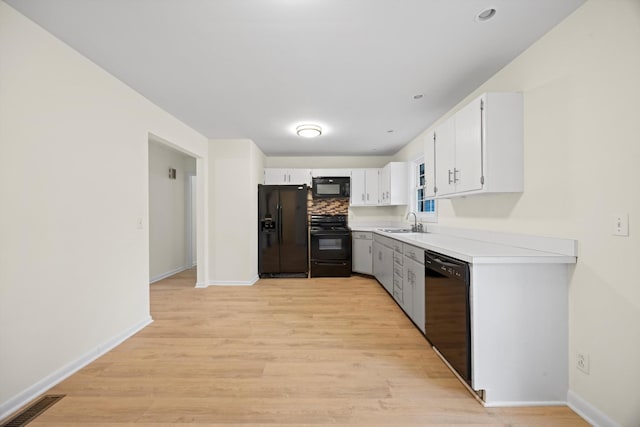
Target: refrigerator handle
279,223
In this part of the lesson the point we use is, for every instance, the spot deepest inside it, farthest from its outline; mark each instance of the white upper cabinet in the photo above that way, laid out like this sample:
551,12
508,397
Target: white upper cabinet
358,185
274,176
346,173
394,184
480,148
445,157
364,187
467,171
429,166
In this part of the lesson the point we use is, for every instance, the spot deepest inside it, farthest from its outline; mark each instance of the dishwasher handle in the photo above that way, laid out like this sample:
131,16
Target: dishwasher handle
447,266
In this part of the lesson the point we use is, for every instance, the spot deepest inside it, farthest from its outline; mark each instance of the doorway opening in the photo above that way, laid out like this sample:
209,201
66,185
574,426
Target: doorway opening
172,213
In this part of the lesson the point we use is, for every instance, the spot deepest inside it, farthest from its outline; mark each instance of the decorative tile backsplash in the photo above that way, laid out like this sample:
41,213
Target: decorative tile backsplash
327,206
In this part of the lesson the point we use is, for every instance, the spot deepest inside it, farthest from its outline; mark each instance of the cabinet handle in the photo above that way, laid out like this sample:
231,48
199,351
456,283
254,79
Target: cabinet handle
455,175
363,197
367,196
369,250
449,170
284,177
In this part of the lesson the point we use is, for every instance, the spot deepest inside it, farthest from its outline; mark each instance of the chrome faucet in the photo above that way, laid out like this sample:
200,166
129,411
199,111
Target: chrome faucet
414,227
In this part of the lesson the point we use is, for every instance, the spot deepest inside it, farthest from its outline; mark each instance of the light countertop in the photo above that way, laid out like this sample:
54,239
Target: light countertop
472,250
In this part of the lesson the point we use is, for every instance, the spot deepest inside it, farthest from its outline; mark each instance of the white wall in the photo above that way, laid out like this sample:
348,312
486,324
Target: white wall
167,210
581,89
74,267
235,170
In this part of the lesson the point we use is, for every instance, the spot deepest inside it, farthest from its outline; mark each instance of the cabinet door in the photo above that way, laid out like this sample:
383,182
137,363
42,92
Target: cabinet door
398,189
383,265
468,154
358,186
372,178
387,268
445,157
429,166
407,290
378,270
418,302
276,176
299,176
362,257
385,184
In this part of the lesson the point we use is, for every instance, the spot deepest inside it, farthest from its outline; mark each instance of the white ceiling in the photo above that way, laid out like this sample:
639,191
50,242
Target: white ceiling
256,68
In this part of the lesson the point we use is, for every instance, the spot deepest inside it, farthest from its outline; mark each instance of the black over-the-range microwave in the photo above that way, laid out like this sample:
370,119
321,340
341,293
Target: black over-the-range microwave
331,187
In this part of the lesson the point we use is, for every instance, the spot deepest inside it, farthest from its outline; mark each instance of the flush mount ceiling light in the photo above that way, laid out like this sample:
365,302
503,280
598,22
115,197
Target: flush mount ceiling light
486,14
309,131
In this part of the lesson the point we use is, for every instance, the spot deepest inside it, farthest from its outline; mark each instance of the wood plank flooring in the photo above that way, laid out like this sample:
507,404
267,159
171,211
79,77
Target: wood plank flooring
284,351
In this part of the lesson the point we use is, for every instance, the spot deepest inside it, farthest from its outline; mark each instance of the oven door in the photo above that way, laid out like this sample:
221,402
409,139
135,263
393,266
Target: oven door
330,245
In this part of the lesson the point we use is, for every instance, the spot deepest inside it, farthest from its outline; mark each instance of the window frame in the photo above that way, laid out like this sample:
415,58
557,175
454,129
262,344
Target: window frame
414,181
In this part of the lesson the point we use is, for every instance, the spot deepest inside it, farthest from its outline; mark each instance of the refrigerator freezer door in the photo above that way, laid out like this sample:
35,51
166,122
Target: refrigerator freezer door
269,225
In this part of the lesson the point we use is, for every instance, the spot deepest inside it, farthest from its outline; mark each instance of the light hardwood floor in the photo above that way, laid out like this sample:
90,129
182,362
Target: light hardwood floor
284,351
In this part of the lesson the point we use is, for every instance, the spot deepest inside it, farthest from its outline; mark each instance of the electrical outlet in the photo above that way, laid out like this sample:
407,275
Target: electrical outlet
582,362
621,225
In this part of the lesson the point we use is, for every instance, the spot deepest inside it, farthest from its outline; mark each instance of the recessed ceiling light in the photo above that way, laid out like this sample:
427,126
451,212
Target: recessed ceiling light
486,14
309,130
418,96
390,131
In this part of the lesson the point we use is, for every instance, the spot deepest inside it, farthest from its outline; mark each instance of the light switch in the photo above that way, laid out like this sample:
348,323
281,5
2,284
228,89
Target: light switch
621,225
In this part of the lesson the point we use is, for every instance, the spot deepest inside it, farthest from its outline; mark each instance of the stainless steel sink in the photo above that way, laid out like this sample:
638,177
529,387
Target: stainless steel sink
396,230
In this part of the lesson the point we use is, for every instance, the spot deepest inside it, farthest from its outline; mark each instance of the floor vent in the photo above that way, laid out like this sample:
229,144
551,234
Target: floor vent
30,413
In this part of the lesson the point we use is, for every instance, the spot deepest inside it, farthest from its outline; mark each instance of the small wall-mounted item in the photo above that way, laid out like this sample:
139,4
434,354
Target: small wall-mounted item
172,173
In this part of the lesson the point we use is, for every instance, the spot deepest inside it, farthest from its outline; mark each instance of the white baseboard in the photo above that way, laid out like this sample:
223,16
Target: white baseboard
230,283
167,274
590,413
16,402
517,404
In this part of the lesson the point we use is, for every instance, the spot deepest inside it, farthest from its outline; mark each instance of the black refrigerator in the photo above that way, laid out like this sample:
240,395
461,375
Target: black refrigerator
282,231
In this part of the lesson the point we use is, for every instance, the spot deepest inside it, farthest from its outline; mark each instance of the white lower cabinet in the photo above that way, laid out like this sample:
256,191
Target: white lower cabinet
362,252
413,273
518,321
383,262
399,267
398,279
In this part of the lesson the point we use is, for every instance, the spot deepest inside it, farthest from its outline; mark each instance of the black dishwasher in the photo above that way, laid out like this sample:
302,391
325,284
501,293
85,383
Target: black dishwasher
447,320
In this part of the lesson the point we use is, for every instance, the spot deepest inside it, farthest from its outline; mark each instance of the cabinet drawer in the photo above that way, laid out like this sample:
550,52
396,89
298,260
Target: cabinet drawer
398,259
416,254
397,282
397,295
361,235
386,241
397,246
397,272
